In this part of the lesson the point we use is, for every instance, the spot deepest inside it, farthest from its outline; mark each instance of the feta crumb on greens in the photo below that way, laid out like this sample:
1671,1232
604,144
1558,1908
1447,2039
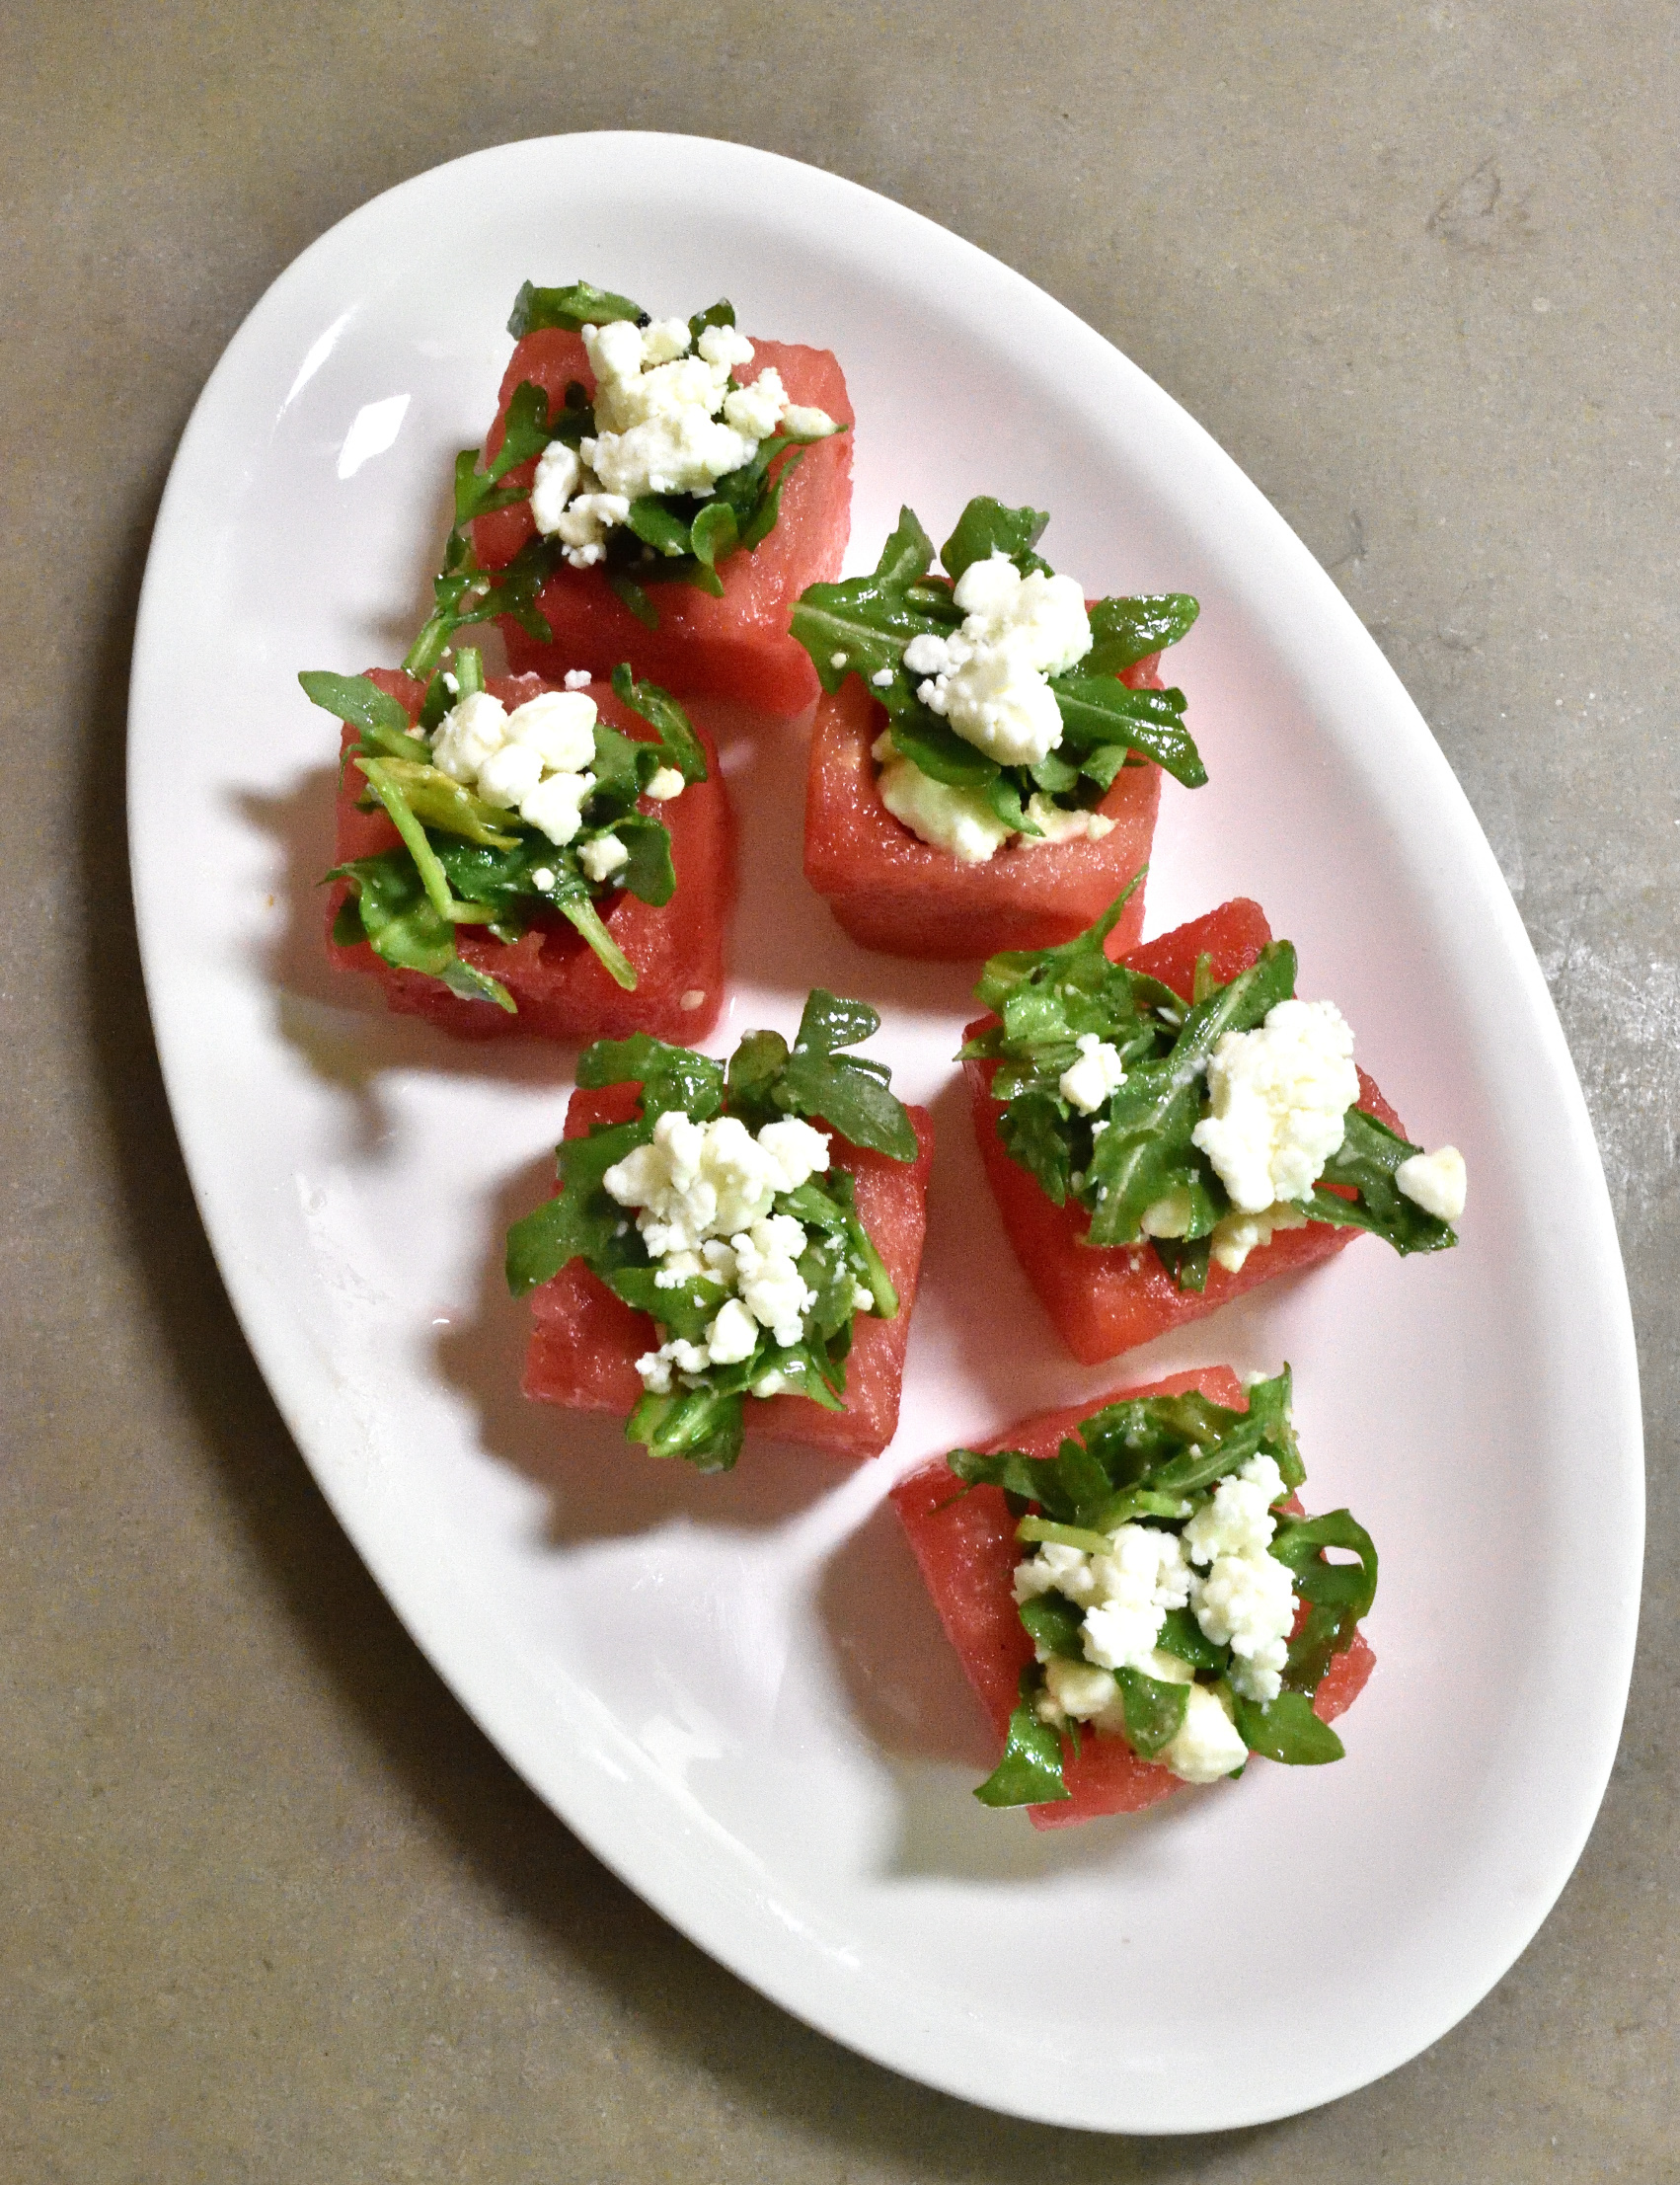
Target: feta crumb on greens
746,1245
1161,1586
502,815
673,467
1007,718
1221,1121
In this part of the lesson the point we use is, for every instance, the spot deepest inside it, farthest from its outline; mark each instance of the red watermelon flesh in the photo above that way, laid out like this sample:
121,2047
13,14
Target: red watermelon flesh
737,647
1108,1300
897,893
585,1341
967,1552
563,990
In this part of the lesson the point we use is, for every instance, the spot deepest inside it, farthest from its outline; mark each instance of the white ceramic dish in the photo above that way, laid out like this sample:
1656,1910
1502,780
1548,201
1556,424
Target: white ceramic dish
733,1691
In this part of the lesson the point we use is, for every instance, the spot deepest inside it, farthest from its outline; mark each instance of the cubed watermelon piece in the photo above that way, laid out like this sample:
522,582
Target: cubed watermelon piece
563,990
1108,1300
737,647
965,1545
585,1341
897,893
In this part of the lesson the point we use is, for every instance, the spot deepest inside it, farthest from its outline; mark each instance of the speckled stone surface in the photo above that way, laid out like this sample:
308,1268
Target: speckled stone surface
273,1910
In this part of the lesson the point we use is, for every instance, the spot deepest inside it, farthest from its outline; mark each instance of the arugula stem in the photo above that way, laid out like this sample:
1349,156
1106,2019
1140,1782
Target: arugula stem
1063,1535
587,919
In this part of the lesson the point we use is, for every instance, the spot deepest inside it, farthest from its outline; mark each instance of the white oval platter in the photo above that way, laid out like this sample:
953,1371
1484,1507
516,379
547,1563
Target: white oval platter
734,1690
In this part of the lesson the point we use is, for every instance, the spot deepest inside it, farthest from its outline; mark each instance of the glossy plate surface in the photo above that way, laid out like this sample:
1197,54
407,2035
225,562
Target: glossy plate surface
734,1690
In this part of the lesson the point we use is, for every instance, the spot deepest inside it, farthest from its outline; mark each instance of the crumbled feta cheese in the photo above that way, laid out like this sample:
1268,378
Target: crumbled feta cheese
451,683
1056,1569
704,1193
1207,1744
1169,1216
1097,1073
989,679
1078,1690
526,759
543,877
1143,1575
803,422
559,472
755,412
733,1335
1236,1235
664,785
837,659
1280,1096
1056,827
555,805
725,347
581,526
883,678
959,821
1247,1600
1436,1181
601,858
578,679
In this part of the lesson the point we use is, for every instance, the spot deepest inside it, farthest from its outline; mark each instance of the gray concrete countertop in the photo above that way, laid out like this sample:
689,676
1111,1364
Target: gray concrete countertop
275,1909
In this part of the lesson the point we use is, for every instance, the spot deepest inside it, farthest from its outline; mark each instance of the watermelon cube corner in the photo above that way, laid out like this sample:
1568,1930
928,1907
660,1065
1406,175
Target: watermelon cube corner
738,647
965,1545
1107,1301
896,894
561,989
585,1341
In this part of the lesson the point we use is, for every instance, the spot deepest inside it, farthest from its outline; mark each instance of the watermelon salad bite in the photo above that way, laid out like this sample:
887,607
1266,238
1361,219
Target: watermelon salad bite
986,761
1164,1132
657,491
1137,1598
514,857
731,1246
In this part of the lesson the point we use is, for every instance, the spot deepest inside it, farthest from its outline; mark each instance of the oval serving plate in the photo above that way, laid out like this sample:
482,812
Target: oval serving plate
733,1691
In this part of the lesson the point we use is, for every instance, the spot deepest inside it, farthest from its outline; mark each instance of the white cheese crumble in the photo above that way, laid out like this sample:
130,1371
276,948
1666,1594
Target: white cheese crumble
578,679
1436,1181
603,857
664,785
958,820
533,759
1207,1744
704,1193
989,679
1247,1601
666,422
1097,1073
1280,1096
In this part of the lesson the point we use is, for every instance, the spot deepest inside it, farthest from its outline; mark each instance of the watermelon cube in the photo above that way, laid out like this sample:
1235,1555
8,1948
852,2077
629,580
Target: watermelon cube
965,1546
735,647
1110,1299
585,1341
561,988
897,893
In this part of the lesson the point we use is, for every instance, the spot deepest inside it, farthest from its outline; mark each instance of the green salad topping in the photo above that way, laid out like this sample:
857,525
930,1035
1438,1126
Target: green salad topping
465,862
1187,1493
667,538
1131,1159
716,1210
864,625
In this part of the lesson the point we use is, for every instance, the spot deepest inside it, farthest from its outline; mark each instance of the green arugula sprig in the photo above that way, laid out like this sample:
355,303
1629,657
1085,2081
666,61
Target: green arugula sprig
1136,1151
703,1420
862,626
1156,1460
464,862
667,538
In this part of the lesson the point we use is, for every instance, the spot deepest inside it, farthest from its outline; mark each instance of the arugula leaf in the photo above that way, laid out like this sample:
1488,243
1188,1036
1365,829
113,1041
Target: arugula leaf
1054,1623
1182,1636
359,701
1287,1730
1030,1771
1154,1710
987,527
703,1425
1366,1160
570,308
1098,711
1126,631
